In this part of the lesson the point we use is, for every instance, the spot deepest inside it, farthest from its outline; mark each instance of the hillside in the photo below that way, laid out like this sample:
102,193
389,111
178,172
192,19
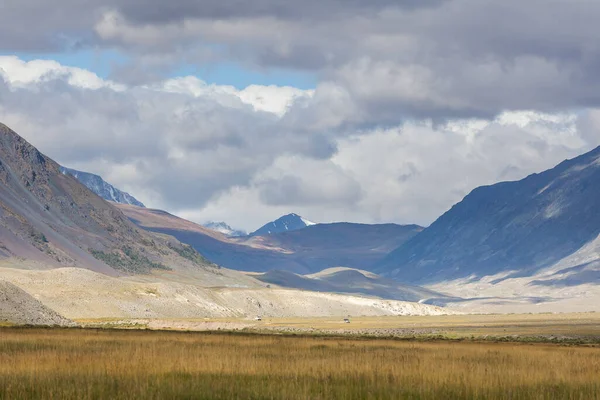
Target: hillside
301,251
82,294
19,308
50,217
511,229
350,281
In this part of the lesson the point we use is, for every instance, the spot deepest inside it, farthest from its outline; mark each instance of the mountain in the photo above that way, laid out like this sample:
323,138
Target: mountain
66,252
102,188
290,222
51,218
510,229
344,244
224,229
302,251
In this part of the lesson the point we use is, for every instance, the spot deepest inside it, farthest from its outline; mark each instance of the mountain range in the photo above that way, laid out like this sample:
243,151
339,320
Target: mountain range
510,229
66,252
306,250
517,246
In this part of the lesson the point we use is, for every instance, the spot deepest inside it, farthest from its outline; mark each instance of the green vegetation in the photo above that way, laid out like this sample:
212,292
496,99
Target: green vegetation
188,252
90,364
38,237
129,261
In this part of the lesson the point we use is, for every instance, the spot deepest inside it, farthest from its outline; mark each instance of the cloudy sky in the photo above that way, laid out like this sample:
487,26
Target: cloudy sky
368,111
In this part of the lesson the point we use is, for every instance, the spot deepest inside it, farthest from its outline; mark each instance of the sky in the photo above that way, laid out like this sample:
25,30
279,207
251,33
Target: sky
363,111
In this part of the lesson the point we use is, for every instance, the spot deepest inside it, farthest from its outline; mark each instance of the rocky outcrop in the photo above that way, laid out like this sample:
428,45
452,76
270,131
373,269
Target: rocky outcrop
19,308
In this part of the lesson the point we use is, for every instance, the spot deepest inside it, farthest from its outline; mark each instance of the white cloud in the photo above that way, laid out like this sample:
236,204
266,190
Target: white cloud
19,73
272,99
214,152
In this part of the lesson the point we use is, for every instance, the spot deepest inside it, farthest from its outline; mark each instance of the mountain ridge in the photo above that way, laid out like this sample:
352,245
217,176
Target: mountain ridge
520,226
307,250
98,185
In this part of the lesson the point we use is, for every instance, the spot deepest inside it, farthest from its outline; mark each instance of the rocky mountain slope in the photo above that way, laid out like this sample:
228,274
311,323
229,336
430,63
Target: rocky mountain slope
290,222
510,230
50,217
307,250
19,308
102,188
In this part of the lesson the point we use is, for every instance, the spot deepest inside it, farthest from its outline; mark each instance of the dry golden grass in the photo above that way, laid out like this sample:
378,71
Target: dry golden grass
104,364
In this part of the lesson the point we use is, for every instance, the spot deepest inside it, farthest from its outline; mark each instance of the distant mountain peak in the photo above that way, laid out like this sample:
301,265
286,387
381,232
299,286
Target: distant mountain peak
102,188
286,223
224,228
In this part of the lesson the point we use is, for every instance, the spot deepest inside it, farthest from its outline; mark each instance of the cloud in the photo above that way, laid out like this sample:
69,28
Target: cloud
273,99
301,182
393,60
447,59
215,152
186,145
19,73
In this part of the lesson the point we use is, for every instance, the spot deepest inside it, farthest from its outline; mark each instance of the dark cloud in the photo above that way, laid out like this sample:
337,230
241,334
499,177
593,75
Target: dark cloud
415,70
157,11
395,59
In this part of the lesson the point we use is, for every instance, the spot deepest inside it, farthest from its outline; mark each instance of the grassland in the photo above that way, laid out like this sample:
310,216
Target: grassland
118,364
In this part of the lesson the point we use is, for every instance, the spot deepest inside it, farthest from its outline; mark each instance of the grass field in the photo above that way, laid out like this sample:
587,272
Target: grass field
118,364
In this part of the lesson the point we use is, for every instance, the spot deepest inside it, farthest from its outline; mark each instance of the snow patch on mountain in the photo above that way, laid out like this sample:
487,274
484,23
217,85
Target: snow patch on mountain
102,188
307,222
290,222
224,228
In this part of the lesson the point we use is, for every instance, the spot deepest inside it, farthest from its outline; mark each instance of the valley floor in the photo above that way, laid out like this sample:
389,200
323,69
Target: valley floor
119,364
571,327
